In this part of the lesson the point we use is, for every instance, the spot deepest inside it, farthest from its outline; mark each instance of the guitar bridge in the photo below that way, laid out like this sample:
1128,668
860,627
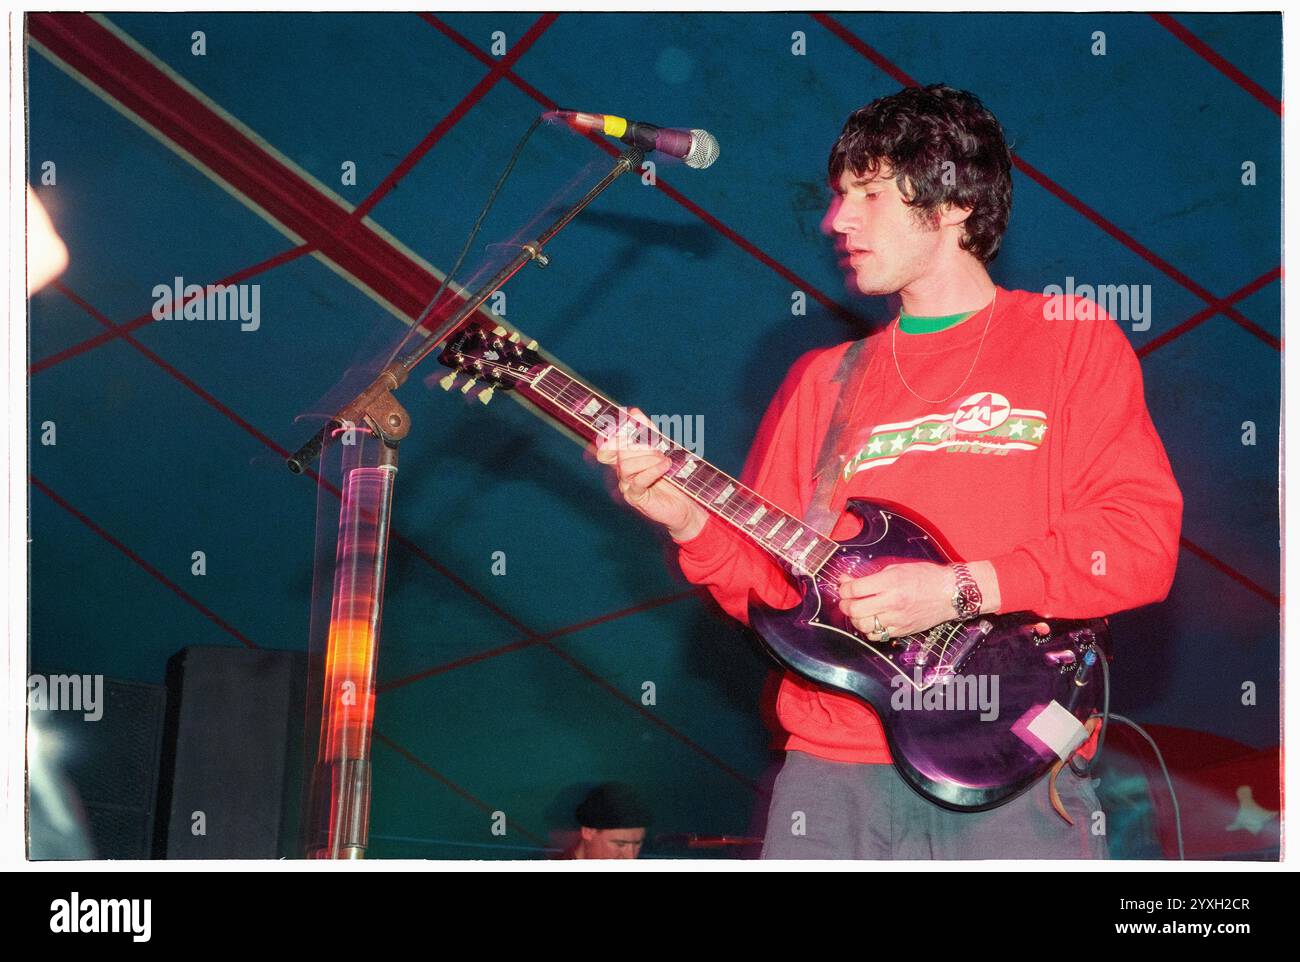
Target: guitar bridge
942,650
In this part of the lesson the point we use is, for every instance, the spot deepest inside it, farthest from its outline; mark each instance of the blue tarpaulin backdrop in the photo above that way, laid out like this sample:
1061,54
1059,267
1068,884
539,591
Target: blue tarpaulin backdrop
674,296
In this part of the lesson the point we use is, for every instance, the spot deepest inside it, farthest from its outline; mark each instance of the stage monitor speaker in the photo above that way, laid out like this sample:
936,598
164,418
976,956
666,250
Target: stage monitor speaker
94,790
232,762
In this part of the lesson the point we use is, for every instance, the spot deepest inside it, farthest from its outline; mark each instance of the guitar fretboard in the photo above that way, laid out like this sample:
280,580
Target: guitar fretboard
800,548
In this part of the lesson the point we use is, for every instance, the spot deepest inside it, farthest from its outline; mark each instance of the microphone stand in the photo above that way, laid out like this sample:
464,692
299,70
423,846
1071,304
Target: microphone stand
338,816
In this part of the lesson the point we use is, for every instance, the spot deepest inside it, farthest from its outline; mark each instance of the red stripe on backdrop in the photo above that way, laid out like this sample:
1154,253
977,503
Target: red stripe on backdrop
1055,189
188,122
114,331
149,569
1219,63
1231,572
499,69
605,144
1203,315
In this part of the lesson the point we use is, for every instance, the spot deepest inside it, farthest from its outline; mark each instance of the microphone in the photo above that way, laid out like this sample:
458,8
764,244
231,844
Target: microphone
698,148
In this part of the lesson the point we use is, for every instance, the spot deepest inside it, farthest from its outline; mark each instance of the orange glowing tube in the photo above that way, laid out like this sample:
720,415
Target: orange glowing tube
348,706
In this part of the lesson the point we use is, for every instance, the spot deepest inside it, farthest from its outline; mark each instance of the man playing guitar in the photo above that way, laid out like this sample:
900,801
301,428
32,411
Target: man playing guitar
1014,422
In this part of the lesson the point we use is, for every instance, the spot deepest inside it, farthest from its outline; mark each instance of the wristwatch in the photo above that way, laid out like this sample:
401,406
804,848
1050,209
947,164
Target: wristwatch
967,598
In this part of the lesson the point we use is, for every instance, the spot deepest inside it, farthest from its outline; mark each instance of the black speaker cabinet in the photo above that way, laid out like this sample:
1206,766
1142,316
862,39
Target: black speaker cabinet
232,760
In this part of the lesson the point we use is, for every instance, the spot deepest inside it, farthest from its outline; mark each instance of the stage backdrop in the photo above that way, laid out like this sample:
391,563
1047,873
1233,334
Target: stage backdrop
537,637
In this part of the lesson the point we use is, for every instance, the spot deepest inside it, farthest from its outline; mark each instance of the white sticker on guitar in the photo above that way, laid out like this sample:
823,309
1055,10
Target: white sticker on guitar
1059,730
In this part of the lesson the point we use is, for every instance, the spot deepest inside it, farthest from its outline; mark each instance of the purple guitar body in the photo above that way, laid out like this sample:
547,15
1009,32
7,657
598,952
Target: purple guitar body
974,712
976,751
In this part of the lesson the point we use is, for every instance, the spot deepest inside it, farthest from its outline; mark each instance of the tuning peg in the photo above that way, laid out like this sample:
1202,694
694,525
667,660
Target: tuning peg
486,396
530,345
498,329
468,386
515,337
448,381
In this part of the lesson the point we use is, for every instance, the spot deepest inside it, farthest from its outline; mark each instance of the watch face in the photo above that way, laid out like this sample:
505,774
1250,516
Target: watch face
967,601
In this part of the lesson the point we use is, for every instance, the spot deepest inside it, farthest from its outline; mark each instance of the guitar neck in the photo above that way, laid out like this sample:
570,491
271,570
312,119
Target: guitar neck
796,546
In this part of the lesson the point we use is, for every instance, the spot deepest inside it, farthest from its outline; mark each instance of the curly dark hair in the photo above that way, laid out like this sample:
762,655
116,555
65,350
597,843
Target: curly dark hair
916,131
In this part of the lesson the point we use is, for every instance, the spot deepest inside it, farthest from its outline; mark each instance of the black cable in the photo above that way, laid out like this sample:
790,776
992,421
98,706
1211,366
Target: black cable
1086,770
1173,796
1105,716
491,199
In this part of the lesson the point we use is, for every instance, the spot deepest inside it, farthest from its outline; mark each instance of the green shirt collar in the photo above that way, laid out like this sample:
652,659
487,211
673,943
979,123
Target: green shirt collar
928,325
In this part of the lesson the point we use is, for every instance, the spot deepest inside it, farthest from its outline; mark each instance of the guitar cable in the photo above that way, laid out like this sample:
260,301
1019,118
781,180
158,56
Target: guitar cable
460,260
1085,771
1178,818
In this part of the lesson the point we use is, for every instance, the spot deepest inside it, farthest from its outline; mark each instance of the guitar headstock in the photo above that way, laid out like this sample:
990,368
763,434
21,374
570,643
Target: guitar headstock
492,357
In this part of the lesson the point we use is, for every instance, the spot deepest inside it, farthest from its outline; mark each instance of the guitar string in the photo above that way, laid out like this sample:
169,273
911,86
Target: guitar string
837,564
571,394
697,488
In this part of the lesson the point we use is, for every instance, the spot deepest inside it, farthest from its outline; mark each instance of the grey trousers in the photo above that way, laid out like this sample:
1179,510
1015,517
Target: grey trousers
823,810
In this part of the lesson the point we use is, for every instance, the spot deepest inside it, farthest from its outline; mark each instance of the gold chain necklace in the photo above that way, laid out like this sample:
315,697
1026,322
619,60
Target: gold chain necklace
893,346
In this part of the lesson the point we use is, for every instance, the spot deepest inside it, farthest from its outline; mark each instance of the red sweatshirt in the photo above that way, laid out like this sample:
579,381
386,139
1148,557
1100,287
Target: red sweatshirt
1044,462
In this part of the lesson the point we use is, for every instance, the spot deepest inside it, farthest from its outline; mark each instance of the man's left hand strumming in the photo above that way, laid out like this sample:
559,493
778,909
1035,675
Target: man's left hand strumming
904,599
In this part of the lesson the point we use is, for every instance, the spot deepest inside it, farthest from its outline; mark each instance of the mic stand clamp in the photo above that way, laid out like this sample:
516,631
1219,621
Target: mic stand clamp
376,407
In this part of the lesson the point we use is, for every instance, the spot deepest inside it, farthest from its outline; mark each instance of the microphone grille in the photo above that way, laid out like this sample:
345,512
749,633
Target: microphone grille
704,149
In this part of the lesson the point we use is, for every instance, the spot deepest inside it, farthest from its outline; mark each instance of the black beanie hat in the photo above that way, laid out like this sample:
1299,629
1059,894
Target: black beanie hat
612,805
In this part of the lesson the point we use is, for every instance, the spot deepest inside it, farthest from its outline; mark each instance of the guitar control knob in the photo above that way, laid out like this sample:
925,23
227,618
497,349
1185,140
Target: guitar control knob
1042,629
1063,657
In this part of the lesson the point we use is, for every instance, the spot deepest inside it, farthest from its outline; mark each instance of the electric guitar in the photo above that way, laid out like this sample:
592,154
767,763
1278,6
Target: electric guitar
975,712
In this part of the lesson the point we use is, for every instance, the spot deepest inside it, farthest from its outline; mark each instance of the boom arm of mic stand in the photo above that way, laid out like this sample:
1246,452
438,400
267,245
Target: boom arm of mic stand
374,405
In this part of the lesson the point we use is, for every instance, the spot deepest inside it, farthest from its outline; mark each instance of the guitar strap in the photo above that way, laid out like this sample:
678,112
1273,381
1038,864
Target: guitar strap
851,375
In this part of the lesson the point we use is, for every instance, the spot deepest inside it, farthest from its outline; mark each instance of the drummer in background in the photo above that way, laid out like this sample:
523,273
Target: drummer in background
613,824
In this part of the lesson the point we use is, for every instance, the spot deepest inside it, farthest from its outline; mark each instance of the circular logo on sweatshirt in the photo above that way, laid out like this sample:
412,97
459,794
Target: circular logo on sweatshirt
981,412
